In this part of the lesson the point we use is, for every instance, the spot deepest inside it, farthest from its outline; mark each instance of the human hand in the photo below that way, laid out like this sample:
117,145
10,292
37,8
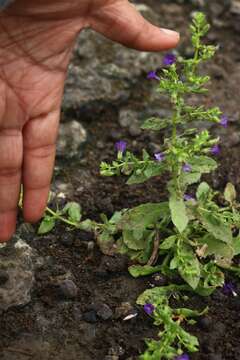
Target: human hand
36,41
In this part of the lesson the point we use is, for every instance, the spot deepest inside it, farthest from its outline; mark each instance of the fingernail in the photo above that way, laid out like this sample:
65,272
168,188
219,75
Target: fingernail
170,32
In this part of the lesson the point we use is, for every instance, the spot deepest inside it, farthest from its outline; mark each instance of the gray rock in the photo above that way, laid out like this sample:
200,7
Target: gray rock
233,139
105,72
135,130
90,316
72,136
104,312
235,7
17,261
127,117
130,119
68,289
217,8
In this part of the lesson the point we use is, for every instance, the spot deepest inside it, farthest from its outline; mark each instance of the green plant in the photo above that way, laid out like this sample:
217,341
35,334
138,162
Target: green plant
192,235
172,337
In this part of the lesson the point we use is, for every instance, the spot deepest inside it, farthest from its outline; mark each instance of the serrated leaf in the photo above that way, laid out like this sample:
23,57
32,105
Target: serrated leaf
168,243
138,242
152,295
151,170
143,216
230,193
216,226
216,247
178,212
154,124
189,178
46,225
202,164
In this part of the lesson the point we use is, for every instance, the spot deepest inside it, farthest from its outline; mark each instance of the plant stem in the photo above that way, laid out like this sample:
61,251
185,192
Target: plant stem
59,217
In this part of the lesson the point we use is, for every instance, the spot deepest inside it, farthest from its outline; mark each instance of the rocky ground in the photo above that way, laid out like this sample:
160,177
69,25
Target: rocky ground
60,298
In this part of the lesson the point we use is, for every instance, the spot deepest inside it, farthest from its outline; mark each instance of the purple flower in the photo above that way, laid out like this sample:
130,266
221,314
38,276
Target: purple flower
188,197
229,289
215,150
152,75
159,156
183,357
186,168
224,121
121,146
149,308
169,59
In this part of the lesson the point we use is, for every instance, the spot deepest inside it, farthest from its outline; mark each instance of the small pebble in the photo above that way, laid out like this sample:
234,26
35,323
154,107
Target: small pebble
104,312
90,316
68,289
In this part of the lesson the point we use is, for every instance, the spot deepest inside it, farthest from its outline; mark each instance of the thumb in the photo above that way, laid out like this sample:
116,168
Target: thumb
121,22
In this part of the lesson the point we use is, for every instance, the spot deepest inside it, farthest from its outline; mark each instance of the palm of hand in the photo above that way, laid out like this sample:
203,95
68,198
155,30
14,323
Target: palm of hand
34,55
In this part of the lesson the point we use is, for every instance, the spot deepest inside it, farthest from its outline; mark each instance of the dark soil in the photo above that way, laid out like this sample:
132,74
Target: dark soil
86,323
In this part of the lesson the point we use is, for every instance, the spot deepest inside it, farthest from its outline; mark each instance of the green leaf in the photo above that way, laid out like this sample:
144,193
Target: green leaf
215,225
236,245
178,212
168,243
154,124
73,210
143,216
189,341
46,225
216,247
189,313
117,217
202,164
230,193
138,270
200,290
137,240
152,295
86,225
141,175
203,192
189,178
106,242
188,265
